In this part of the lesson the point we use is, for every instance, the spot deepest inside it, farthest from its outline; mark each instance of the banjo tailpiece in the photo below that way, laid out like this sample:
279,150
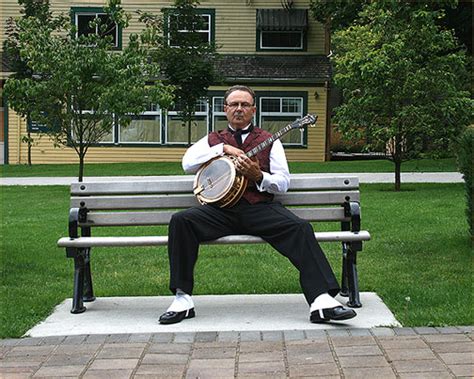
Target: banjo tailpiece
218,182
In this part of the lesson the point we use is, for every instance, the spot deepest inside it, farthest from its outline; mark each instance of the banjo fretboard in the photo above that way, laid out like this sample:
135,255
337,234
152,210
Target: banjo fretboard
302,122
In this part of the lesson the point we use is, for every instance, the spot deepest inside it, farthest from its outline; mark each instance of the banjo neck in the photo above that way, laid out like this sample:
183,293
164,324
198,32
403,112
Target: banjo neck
297,124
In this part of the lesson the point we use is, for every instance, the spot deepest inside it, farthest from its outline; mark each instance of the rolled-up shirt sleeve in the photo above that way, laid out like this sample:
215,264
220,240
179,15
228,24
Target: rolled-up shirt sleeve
200,153
278,179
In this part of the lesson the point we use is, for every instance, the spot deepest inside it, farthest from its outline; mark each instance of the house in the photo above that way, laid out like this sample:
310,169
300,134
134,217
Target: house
274,46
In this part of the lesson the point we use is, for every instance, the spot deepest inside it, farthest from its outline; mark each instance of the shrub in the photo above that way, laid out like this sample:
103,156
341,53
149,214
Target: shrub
465,163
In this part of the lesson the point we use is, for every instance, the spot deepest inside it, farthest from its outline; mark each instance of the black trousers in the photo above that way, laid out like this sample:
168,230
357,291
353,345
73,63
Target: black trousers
287,233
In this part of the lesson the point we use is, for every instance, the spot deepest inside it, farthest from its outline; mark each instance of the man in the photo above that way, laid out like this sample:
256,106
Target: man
255,214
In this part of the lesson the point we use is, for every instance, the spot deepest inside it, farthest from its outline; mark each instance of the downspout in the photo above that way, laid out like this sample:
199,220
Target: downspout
327,85
5,131
328,123
19,140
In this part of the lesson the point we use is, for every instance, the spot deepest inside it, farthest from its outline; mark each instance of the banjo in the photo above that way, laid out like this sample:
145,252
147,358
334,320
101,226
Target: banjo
218,182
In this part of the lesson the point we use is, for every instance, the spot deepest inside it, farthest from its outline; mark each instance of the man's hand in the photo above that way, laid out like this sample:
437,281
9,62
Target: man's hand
249,167
231,150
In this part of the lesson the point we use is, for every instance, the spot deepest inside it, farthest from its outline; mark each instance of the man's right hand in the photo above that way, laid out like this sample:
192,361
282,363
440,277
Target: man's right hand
231,150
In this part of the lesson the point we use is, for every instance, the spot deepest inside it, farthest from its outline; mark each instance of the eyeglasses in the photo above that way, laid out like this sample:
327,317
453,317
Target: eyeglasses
242,105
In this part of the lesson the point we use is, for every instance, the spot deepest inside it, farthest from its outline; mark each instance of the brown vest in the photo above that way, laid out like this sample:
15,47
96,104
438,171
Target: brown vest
255,137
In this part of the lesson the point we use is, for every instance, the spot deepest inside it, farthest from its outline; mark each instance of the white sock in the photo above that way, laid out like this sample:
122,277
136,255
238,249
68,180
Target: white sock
181,302
324,301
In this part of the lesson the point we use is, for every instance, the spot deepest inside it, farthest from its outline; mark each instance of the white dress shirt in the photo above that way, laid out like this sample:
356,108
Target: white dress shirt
275,181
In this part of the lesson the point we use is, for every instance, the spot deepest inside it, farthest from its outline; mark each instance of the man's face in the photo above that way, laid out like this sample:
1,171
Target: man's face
239,109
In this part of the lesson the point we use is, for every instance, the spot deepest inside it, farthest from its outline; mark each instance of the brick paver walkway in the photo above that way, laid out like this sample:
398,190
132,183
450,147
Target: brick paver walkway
339,353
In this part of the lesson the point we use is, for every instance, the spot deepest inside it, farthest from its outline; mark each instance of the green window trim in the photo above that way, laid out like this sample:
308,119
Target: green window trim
95,10
202,11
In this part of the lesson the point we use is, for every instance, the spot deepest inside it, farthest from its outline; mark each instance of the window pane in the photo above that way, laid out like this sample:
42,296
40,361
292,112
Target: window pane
291,105
83,27
281,39
218,104
205,22
109,137
275,123
143,128
204,37
177,132
271,105
220,123
201,105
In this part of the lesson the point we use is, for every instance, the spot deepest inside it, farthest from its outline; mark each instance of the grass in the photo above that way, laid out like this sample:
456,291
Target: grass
419,260
171,168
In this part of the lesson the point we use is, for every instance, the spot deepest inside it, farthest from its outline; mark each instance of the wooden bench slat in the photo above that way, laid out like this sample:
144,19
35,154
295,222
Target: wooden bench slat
163,240
135,202
186,201
163,217
184,184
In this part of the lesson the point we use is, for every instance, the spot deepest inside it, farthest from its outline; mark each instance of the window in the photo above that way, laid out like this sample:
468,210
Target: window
280,29
107,138
177,131
219,119
82,18
145,128
281,40
204,29
278,112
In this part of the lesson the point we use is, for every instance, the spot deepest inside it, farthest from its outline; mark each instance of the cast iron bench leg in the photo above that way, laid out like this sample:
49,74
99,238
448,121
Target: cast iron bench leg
88,295
353,280
77,304
344,287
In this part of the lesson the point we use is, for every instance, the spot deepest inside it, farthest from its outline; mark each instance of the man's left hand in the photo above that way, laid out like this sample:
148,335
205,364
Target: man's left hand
249,167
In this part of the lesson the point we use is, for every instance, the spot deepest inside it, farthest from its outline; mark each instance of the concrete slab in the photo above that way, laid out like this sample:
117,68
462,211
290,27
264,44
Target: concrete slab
109,315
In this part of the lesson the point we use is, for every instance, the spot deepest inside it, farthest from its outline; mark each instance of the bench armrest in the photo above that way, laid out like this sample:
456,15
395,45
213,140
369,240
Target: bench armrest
73,223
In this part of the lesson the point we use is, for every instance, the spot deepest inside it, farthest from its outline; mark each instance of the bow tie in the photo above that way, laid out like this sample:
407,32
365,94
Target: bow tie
238,133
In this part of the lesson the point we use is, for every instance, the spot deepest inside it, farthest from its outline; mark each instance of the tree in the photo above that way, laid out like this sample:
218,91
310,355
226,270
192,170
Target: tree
336,14
31,8
79,86
187,60
403,79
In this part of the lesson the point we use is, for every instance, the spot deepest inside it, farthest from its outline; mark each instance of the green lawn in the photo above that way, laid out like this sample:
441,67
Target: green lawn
420,251
171,168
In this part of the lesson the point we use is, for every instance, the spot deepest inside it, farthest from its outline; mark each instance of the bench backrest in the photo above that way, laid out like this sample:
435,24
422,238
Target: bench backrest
153,202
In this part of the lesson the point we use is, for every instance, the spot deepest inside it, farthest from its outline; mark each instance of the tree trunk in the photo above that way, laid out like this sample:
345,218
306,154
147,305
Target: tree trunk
29,149
398,167
81,164
189,131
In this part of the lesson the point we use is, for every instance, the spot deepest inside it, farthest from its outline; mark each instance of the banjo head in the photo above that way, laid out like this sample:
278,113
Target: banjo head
215,179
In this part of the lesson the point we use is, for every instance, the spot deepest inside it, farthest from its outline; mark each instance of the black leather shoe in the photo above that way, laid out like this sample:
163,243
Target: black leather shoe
175,317
336,313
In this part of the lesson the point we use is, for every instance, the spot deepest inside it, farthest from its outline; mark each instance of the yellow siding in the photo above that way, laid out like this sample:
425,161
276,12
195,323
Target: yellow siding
44,151
235,21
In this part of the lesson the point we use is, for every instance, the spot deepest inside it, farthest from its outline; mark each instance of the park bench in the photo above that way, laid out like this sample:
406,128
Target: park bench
153,202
